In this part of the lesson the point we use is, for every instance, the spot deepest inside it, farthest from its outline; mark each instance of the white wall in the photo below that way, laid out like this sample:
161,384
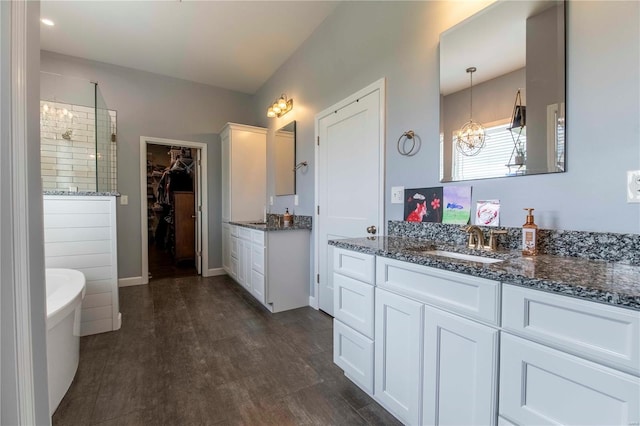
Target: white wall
363,41
152,105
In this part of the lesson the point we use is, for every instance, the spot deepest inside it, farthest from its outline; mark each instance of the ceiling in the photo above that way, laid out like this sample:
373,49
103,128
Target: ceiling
235,45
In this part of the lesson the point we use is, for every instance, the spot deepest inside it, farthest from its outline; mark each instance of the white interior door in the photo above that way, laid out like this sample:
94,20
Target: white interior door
350,169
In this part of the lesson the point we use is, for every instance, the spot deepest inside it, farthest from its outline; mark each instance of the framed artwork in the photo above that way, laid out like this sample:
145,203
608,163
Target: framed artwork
423,204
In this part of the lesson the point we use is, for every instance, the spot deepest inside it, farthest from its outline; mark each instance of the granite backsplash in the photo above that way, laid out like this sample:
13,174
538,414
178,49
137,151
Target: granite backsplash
611,247
302,221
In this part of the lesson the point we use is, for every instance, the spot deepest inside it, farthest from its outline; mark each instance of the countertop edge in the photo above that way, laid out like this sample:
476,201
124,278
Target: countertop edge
613,298
271,228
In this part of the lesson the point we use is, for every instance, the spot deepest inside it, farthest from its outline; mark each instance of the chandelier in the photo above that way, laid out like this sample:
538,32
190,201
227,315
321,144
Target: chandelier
471,136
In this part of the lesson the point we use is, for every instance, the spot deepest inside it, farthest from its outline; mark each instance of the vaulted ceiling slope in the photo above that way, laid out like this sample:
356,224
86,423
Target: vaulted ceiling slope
235,45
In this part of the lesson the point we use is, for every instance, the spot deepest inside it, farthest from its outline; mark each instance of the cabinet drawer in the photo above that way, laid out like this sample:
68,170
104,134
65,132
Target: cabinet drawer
540,385
233,229
471,296
244,233
257,258
606,334
353,352
353,303
233,250
257,237
356,265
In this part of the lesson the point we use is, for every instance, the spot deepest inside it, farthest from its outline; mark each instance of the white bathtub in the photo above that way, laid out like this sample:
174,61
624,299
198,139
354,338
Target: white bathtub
65,291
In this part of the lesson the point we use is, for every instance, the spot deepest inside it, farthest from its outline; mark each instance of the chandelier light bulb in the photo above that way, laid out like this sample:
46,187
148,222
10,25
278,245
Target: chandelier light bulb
270,113
276,108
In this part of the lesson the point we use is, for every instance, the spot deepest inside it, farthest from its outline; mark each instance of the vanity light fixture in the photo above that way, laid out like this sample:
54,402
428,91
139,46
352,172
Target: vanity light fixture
280,107
471,136
48,22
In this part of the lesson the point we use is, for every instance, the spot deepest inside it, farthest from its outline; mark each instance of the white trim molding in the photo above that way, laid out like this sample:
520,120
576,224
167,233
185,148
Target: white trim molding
214,272
202,197
130,281
18,268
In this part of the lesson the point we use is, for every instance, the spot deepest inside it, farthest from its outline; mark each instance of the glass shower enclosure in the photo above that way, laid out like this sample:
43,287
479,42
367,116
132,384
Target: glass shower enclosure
78,148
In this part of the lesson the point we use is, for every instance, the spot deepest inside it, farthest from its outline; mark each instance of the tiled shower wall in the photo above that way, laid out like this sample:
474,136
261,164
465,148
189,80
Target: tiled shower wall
72,163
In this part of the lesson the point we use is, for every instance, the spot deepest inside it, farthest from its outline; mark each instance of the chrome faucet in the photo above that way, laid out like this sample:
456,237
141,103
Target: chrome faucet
476,237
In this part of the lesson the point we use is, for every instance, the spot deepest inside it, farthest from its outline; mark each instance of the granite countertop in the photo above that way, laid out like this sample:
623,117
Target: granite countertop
606,282
261,226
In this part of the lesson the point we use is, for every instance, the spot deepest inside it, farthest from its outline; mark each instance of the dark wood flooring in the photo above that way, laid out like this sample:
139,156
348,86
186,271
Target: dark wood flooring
201,351
162,265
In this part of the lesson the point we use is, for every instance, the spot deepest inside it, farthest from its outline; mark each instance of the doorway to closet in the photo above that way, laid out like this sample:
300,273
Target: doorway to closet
173,208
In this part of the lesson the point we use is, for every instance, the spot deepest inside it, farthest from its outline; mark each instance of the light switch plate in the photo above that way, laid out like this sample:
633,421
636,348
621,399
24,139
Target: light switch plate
124,200
271,200
633,186
397,194
296,201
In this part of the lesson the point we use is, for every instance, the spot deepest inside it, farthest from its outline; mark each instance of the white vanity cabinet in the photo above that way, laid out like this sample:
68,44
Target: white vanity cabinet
436,344
450,348
244,172
273,266
568,361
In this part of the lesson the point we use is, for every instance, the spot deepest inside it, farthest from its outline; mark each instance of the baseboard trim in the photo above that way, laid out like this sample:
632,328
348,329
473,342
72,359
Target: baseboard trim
127,282
313,303
214,272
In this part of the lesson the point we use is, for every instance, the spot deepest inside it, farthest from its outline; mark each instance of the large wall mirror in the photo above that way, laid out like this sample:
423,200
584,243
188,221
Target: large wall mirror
504,69
285,159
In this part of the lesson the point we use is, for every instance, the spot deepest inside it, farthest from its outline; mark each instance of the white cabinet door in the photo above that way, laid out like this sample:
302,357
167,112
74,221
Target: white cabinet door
257,286
540,385
460,370
244,263
226,247
398,355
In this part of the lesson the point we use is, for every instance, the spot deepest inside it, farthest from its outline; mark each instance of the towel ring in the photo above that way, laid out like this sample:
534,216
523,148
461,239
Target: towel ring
402,144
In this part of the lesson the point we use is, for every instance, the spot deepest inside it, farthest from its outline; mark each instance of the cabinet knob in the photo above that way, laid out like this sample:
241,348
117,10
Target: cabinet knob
371,229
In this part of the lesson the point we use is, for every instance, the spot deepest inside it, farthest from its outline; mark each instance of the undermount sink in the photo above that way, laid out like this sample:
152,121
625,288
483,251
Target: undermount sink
257,223
462,256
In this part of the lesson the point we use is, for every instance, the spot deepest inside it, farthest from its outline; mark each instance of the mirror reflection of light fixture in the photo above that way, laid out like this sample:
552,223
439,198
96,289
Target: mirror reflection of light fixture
57,117
471,136
280,107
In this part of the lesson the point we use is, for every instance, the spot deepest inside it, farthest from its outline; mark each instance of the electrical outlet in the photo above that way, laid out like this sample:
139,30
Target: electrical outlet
397,194
124,200
271,200
633,186
296,200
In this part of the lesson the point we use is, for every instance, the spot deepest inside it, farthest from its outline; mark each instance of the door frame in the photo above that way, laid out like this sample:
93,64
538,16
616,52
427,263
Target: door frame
202,197
379,86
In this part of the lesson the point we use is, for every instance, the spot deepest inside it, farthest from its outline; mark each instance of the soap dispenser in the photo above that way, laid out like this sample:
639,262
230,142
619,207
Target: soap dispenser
287,218
529,235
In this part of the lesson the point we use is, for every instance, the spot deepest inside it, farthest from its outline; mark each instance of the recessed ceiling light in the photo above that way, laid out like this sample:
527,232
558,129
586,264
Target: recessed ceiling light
47,21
